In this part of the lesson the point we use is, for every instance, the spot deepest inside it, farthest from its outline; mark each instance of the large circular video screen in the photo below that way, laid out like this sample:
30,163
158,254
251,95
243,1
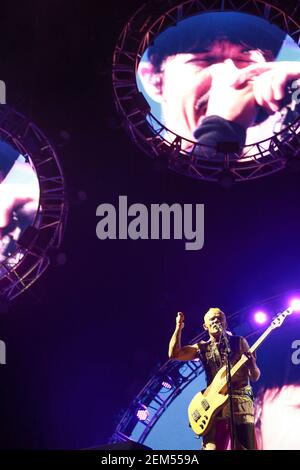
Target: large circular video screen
19,200
222,77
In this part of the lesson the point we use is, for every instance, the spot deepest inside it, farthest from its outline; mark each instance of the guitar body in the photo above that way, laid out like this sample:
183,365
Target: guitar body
204,406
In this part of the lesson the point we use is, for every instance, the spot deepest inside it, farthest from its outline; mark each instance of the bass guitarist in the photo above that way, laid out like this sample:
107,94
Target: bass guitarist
212,353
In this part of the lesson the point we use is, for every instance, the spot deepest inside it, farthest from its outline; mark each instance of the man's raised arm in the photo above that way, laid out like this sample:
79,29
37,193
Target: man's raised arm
185,353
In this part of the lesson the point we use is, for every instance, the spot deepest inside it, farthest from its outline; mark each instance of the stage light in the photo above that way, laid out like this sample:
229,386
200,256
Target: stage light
295,304
142,413
167,385
260,317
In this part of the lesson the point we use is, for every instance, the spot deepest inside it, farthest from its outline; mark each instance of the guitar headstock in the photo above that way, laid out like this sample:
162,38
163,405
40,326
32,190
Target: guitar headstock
280,317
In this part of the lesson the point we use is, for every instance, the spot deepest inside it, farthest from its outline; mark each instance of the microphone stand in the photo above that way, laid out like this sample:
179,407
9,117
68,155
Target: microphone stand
229,385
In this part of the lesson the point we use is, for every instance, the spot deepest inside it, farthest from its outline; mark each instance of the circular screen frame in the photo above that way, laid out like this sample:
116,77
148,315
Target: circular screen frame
172,75
31,258
148,133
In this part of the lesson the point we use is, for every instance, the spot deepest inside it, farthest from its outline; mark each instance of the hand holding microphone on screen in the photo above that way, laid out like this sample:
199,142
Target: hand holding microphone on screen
270,82
239,98
235,93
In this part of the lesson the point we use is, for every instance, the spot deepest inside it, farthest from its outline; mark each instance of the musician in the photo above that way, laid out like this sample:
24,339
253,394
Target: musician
216,78
213,356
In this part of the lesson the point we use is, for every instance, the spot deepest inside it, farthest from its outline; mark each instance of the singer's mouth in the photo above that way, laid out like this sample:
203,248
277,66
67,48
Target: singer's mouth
200,109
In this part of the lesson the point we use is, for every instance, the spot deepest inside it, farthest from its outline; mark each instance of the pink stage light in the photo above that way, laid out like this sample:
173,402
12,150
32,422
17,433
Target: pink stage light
166,385
260,318
142,413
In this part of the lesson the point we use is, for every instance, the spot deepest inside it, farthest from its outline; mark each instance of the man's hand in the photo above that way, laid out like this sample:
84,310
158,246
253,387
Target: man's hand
236,104
254,371
269,81
180,320
251,362
185,353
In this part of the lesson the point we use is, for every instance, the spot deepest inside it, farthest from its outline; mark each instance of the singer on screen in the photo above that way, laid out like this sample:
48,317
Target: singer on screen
221,77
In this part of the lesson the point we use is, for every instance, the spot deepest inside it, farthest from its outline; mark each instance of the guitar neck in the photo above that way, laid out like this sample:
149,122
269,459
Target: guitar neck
277,321
253,348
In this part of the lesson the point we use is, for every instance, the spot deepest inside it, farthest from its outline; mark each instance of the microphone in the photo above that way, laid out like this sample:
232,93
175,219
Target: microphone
219,326
224,336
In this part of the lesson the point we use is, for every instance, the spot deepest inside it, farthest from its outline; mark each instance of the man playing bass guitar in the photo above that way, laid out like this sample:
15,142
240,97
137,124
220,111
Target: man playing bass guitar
212,353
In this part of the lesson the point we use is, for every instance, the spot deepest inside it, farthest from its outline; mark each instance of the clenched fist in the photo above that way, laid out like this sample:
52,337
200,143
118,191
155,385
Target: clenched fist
180,320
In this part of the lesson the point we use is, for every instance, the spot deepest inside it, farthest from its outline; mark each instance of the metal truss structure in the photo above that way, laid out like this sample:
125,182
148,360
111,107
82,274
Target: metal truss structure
152,18
20,270
156,397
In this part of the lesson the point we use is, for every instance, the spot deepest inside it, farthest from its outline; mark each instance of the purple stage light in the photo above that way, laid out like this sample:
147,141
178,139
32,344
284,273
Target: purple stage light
142,413
260,318
295,304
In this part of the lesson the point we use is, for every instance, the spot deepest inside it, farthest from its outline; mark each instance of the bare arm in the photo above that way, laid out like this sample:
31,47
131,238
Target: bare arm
176,351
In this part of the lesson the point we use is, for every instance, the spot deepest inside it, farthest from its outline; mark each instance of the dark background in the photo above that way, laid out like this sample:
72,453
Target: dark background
86,337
